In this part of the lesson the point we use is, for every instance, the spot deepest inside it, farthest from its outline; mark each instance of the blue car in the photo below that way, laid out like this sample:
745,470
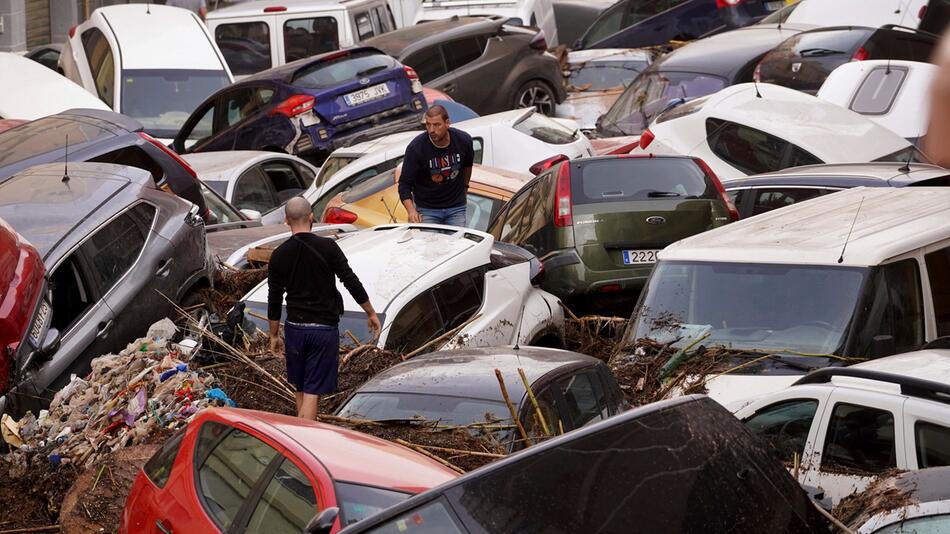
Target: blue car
309,107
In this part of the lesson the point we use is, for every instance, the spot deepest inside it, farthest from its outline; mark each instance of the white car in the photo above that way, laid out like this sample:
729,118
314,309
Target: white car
871,13
425,280
153,63
256,182
892,93
30,91
849,424
536,13
751,128
511,140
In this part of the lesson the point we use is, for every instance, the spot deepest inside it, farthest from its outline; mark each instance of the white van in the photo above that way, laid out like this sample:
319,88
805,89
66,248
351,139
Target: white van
537,13
853,275
262,34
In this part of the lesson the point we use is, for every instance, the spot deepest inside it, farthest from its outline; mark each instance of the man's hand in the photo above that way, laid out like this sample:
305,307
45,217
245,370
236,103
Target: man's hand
274,335
414,216
273,344
374,326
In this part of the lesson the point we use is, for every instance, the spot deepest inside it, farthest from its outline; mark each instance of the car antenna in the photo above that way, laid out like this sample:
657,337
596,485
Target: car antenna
148,7
66,162
841,257
756,84
905,168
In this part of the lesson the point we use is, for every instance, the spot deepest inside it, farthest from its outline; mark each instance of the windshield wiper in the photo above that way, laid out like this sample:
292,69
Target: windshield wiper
662,194
796,365
371,70
818,52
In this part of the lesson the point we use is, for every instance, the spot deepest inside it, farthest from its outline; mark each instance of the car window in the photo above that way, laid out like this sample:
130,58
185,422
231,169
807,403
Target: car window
364,27
931,524
768,199
229,470
545,129
599,76
908,154
101,64
747,149
237,106
478,147
287,504
821,43
933,444
284,179
642,179
459,297
306,174
309,37
71,293
479,210
547,405
331,166
428,63
878,91
938,271
607,24
163,99
799,157
203,128
417,323
113,248
134,156
342,69
221,211
357,502
461,52
584,398
377,24
254,191
784,425
245,46
159,467
536,216
897,44
860,438
430,518
897,308
517,207
46,135
497,224
651,93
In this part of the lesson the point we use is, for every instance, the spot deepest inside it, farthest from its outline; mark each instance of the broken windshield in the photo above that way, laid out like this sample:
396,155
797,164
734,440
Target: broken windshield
650,94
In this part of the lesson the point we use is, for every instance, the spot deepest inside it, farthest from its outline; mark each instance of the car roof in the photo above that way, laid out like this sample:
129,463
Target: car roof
932,365
29,90
285,73
64,205
500,178
397,42
255,8
891,222
609,54
469,372
225,165
844,175
135,25
347,454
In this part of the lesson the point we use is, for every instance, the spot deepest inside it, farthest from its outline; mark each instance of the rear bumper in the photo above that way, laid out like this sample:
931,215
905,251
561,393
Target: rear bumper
319,140
566,275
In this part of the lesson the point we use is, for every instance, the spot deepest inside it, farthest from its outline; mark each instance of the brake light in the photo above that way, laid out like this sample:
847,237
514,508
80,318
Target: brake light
646,138
610,288
336,55
733,212
539,42
562,197
294,106
339,216
728,3
72,32
860,54
546,164
922,12
413,78
171,153
275,9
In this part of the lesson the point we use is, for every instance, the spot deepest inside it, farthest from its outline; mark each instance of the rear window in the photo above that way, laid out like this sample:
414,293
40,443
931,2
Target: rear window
245,46
878,91
159,467
369,187
545,129
597,76
650,94
828,43
335,71
910,154
622,179
331,166
45,135
682,110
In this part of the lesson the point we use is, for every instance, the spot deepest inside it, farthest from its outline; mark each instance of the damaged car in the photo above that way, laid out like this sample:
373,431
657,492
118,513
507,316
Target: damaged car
915,502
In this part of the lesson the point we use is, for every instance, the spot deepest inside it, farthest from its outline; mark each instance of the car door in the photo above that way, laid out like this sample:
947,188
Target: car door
926,434
584,397
467,68
428,63
253,190
254,121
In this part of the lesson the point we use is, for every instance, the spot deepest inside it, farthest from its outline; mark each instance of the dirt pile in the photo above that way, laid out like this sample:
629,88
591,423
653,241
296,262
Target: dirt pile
229,286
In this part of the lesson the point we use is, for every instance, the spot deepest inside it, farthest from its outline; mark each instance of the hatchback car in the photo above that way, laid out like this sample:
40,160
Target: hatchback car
245,471
457,56
460,388
913,502
598,223
123,54
309,107
119,254
805,60
29,91
537,14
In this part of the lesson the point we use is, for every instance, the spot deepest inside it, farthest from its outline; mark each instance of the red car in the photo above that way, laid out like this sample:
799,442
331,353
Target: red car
244,471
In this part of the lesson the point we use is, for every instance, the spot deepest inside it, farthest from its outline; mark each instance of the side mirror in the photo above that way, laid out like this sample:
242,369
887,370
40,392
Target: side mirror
50,343
883,346
323,522
253,215
192,218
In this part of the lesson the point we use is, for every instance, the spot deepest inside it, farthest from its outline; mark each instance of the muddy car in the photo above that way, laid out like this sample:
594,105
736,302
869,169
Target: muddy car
917,502
114,247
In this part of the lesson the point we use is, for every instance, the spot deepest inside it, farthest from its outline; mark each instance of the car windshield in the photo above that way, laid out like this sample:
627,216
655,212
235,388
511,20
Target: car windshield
780,16
448,410
345,68
357,502
650,94
647,179
219,186
331,166
597,76
545,129
162,100
46,135
219,208
750,306
374,185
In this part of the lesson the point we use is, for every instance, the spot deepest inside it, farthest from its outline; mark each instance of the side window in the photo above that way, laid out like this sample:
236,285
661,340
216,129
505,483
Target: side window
497,224
427,63
933,444
245,46
306,175
860,438
747,149
253,191
459,297
99,56
608,24
478,147
584,398
479,210
284,179
309,37
114,248
785,425
364,27
536,217
389,22
774,198
461,52
552,419
229,471
238,105
513,217
204,127
71,293
904,313
938,271
800,157
377,24
287,505
417,323
159,466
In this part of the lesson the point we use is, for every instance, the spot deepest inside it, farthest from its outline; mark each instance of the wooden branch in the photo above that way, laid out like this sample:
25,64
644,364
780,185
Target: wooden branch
424,452
51,528
448,335
460,452
358,350
534,402
511,408
568,310
351,336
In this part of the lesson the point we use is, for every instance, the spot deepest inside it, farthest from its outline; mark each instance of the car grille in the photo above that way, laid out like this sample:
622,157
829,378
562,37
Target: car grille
372,119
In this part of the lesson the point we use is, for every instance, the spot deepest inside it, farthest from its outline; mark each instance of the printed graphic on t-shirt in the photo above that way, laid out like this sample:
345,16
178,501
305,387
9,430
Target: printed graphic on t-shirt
445,167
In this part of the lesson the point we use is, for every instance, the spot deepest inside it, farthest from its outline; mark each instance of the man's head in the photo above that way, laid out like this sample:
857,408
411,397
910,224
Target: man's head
437,124
298,215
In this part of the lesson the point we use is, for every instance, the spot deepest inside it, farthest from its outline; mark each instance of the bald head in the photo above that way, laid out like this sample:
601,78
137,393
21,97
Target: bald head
297,211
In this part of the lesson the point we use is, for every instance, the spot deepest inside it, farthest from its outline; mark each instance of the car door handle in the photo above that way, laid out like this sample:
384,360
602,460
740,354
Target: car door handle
104,328
161,526
164,267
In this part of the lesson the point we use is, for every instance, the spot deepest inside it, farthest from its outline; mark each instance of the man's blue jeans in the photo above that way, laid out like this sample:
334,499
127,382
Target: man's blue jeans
450,216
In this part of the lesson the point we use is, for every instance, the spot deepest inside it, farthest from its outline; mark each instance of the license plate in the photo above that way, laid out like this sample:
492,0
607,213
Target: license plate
309,119
366,95
637,257
775,6
37,328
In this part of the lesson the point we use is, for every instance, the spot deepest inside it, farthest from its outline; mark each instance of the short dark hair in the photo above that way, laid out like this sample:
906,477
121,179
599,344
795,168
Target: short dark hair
439,110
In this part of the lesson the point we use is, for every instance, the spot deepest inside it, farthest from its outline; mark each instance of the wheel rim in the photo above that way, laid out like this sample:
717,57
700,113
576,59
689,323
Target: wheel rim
538,98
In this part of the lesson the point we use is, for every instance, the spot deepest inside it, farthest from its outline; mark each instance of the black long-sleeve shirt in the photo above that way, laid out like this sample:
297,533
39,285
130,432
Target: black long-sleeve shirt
305,267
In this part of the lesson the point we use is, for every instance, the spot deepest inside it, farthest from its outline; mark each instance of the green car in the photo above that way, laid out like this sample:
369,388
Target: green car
597,224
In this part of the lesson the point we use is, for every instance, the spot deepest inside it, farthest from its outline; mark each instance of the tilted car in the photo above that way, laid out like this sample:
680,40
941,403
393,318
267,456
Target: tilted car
534,13
233,470
119,254
458,55
309,107
46,55
459,387
905,503
29,91
426,281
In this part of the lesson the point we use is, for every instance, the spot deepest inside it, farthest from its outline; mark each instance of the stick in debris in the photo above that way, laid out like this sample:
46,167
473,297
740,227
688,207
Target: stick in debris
358,350
442,461
511,408
831,518
51,528
568,310
534,402
459,452
448,335
351,336
96,483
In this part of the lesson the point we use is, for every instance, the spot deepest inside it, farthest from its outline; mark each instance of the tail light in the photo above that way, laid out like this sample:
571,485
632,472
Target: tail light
538,42
563,216
171,153
646,138
733,212
546,164
339,216
728,3
610,288
72,32
413,79
275,9
294,106
860,54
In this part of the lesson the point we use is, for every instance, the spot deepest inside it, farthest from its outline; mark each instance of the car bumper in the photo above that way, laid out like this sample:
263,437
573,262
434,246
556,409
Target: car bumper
566,276
318,141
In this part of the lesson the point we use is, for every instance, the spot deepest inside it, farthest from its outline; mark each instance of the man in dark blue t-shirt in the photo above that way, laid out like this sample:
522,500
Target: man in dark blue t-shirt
436,171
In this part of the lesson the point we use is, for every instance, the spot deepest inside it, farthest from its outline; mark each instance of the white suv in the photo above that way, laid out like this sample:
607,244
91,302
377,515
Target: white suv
426,280
850,424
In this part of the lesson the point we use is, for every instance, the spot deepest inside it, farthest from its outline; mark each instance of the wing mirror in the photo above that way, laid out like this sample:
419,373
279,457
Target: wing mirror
322,523
47,348
192,218
253,215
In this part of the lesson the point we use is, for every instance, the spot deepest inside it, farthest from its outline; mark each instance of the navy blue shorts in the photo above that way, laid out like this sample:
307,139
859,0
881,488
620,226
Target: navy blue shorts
312,357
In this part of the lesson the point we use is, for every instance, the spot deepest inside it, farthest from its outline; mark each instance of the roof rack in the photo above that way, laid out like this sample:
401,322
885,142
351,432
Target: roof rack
910,386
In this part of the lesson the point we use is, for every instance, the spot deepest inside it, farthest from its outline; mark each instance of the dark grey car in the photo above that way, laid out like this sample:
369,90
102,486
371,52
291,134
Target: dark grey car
481,62
112,244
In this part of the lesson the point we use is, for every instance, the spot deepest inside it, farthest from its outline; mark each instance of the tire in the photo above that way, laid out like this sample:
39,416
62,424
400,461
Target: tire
197,308
536,94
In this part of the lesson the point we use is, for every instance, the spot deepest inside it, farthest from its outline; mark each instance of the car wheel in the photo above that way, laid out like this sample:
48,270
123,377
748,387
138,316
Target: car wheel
196,318
536,94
